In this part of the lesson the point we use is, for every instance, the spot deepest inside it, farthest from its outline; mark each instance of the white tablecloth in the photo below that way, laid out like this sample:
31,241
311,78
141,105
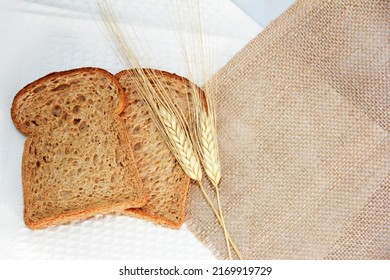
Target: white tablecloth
42,36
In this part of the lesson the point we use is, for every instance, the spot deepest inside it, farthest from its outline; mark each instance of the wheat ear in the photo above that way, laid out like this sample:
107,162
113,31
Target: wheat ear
209,147
185,154
183,151
181,146
210,159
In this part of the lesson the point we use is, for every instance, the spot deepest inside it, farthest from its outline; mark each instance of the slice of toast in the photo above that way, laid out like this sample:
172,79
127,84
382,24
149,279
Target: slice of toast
164,180
77,159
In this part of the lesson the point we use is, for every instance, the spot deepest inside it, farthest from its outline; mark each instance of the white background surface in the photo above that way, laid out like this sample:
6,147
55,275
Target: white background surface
42,36
263,11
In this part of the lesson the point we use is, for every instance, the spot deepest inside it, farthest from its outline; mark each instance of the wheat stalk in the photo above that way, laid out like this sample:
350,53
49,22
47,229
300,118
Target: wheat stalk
204,125
178,139
206,139
220,219
170,121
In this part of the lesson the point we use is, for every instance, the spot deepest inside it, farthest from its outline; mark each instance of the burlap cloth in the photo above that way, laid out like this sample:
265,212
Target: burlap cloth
304,122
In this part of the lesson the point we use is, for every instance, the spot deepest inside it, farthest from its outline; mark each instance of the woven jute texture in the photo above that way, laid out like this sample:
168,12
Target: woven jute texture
303,123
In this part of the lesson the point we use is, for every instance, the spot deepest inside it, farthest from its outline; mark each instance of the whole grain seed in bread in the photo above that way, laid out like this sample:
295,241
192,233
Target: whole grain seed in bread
77,159
165,181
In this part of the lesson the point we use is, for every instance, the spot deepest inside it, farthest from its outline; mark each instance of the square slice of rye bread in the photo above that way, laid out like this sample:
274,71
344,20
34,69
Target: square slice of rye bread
77,160
165,181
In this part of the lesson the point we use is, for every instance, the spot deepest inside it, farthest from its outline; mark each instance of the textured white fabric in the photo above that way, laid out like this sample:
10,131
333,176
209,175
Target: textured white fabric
39,37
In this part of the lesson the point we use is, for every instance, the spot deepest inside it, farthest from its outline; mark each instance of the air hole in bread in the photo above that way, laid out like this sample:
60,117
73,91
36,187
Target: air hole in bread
83,126
64,116
57,111
95,159
76,109
34,122
114,178
117,156
61,87
119,139
81,97
39,89
136,129
38,164
76,121
137,146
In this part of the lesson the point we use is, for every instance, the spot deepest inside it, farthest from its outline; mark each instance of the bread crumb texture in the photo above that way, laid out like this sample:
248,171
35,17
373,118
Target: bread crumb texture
77,160
165,182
